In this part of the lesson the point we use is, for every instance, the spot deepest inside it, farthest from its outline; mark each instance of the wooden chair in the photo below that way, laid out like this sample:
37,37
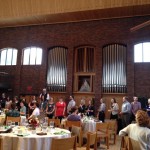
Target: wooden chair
112,130
69,124
13,119
56,122
129,144
77,131
64,143
2,121
1,142
102,132
91,140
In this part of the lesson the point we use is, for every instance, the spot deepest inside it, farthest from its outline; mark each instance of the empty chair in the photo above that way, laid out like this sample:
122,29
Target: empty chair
91,140
2,120
112,130
64,143
77,131
102,132
56,122
75,123
13,119
69,124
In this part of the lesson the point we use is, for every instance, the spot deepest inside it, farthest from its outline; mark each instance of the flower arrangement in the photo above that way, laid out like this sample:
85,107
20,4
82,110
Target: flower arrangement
34,122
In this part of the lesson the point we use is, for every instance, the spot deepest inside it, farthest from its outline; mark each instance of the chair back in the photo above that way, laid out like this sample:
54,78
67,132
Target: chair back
91,140
69,124
77,131
135,144
2,121
102,127
113,125
64,143
129,144
102,132
13,119
1,148
56,122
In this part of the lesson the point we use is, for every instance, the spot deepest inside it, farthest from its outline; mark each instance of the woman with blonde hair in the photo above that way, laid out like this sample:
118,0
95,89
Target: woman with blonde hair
82,107
139,131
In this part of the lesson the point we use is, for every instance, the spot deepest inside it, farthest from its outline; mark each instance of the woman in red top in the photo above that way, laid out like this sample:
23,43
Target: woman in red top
60,109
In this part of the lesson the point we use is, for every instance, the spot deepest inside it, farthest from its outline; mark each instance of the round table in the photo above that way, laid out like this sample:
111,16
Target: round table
11,141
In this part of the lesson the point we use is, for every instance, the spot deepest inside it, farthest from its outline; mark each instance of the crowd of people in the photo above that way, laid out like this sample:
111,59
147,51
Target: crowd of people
60,109
128,113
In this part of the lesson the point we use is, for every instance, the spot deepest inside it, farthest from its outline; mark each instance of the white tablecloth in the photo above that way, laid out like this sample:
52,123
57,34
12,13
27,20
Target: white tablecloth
89,126
11,141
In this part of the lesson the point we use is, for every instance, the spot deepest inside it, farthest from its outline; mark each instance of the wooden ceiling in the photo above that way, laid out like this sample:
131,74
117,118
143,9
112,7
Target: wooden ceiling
34,12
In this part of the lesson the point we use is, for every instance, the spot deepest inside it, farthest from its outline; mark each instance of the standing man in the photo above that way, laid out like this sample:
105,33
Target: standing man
44,96
71,104
101,110
135,106
125,112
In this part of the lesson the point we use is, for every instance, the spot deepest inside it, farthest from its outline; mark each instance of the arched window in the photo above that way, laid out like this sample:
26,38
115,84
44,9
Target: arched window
142,52
57,69
114,69
32,56
8,56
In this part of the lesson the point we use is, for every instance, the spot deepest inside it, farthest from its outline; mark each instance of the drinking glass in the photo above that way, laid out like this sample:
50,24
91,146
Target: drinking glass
51,124
9,123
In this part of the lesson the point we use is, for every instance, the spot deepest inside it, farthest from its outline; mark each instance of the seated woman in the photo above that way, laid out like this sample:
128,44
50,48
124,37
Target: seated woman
36,111
13,112
74,116
139,131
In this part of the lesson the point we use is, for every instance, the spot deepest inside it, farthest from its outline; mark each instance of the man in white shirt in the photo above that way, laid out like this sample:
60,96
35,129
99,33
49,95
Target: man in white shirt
71,104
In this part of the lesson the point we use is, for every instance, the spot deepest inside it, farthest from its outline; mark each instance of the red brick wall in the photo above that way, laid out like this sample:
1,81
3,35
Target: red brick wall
71,35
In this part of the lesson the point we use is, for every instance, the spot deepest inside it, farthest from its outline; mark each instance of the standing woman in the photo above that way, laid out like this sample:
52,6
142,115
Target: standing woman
60,109
114,108
101,110
82,107
90,109
8,103
50,108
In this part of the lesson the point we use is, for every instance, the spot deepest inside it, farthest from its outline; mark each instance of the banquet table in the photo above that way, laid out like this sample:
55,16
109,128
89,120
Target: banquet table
88,124
12,141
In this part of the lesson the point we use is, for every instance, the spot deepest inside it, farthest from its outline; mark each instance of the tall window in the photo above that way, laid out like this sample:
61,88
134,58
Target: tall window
57,69
114,69
32,56
142,52
8,56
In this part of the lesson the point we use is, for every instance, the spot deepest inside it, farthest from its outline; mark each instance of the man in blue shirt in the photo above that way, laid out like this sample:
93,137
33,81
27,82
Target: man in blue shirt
125,112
